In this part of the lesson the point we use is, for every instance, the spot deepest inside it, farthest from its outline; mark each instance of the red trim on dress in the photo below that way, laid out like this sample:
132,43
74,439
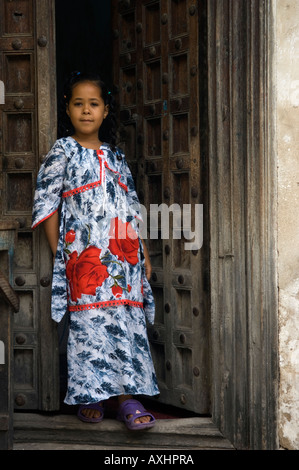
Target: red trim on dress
119,177
88,186
81,189
45,218
106,303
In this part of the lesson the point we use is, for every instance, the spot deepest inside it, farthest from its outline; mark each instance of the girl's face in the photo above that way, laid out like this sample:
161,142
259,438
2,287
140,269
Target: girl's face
87,110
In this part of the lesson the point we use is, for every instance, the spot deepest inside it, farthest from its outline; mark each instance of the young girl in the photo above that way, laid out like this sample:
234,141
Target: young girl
86,199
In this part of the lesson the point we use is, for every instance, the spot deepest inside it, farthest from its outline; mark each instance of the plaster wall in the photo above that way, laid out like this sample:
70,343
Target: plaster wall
287,121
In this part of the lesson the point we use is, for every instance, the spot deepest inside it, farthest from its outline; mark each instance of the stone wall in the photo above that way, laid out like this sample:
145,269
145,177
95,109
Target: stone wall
287,118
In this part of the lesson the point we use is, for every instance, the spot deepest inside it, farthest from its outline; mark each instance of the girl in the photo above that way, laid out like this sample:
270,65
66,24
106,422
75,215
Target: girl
86,199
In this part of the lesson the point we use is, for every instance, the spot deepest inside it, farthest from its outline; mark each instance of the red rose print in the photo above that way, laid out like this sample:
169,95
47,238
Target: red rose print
117,291
124,241
85,273
129,288
70,236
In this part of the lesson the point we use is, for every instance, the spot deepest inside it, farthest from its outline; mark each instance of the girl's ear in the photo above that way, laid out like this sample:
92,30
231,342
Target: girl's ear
106,110
67,109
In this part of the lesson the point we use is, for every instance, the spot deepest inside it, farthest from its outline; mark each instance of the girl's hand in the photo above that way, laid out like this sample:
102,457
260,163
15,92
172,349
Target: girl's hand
147,261
148,268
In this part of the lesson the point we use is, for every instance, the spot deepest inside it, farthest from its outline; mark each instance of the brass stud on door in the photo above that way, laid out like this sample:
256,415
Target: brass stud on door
139,27
178,44
20,281
152,51
194,131
45,281
166,193
194,191
192,10
20,400
164,18
152,109
19,163
42,41
165,135
128,58
165,78
18,103
20,339
193,71
16,44
125,3
182,338
183,399
195,312
179,163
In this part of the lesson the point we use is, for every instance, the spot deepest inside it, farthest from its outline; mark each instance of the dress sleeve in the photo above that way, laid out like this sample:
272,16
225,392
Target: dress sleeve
134,206
49,185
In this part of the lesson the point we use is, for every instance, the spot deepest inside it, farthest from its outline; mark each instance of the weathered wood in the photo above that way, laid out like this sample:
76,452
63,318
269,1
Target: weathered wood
188,433
158,74
8,304
27,121
46,134
242,217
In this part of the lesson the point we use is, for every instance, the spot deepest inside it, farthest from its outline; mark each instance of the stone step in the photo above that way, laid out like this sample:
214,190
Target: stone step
185,433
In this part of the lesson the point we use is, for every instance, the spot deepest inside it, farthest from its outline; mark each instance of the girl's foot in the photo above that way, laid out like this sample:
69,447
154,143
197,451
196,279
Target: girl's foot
92,412
130,409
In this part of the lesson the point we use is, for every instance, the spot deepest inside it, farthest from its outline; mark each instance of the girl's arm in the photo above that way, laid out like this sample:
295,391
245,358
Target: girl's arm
148,266
51,226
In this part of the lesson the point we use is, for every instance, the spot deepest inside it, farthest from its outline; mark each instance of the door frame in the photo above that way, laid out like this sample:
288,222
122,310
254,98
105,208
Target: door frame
242,200
242,211
46,135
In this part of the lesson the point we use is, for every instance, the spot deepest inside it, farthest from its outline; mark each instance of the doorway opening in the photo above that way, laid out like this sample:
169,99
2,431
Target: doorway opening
84,42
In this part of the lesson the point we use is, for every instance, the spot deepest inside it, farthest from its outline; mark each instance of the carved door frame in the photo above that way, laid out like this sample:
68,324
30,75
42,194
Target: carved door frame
242,208
242,195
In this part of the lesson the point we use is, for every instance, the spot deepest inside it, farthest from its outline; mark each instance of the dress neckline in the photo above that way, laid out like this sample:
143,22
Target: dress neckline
87,148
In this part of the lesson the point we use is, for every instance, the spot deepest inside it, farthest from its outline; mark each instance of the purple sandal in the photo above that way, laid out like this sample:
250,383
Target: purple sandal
137,410
91,406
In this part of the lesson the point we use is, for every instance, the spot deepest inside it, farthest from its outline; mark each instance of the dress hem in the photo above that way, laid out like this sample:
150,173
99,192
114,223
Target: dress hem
106,303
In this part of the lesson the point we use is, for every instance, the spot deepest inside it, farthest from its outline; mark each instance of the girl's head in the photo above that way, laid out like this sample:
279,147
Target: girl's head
107,130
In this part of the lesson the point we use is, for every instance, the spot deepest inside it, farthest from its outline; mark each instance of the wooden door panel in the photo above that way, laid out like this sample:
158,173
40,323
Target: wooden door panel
158,82
21,70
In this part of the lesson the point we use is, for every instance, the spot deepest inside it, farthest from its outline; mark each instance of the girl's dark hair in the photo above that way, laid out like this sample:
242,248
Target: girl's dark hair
107,131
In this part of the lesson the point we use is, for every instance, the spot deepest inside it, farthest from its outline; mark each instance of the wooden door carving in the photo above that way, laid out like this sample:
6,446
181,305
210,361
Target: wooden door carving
157,79
27,130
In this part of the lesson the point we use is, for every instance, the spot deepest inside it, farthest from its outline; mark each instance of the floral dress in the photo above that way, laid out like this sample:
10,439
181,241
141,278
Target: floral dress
99,273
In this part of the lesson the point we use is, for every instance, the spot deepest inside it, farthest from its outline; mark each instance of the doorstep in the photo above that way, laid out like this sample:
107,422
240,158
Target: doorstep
47,431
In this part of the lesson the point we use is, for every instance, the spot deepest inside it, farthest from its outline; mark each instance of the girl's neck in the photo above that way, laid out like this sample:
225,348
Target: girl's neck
90,143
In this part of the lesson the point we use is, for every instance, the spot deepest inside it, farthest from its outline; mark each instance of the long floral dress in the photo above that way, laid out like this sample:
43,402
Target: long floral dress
99,273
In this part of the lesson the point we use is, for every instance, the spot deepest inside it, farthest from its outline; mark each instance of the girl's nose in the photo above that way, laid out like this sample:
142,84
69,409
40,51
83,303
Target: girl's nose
86,109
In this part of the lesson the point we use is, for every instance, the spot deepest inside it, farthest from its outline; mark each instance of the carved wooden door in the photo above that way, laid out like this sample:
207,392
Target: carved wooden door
27,123
156,72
